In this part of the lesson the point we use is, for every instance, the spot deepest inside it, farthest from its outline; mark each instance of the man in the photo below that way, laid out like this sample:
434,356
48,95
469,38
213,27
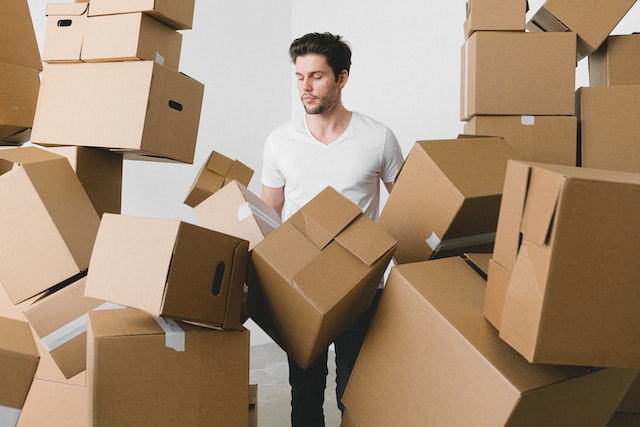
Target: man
328,146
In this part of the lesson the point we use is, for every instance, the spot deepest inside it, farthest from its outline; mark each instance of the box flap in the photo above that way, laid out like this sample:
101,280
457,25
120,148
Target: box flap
67,9
366,240
540,205
20,45
219,163
28,155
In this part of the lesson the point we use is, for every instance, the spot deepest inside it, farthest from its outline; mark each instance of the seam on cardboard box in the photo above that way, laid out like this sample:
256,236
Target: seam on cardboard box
174,335
9,416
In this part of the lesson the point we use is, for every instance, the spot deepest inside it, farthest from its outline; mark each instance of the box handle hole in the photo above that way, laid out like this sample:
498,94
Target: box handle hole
175,105
217,279
64,22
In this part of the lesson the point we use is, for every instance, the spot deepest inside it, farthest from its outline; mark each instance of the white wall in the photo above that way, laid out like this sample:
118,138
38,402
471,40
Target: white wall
405,72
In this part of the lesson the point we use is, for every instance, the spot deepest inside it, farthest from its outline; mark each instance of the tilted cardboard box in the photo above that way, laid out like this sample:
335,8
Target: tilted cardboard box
176,13
495,15
19,88
147,370
429,342
313,276
16,26
49,223
54,404
616,61
446,197
171,268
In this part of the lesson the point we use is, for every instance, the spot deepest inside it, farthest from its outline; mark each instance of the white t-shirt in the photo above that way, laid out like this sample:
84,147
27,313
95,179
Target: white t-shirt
353,164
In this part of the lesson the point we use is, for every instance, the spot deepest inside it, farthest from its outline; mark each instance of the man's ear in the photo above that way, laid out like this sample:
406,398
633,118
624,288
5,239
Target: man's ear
342,78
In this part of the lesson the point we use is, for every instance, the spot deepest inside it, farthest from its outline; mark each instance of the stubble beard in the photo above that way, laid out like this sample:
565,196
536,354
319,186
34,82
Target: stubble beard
327,103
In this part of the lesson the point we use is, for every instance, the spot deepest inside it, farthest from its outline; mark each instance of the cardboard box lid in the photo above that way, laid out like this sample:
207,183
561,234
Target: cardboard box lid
176,13
67,9
16,20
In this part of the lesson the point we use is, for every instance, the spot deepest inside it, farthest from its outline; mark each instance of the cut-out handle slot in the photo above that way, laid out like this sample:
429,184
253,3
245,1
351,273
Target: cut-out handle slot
65,22
175,105
217,279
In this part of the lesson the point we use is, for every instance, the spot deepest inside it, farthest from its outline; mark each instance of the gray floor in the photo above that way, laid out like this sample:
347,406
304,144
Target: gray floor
269,371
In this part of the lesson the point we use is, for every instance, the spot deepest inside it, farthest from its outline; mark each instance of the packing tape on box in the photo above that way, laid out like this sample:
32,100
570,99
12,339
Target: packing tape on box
74,328
245,210
437,245
159,58
174,335
9,416
528,120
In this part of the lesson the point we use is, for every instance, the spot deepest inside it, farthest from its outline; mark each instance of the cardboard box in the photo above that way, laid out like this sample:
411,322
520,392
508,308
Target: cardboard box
65,32
215,173
18,363
615,62
631,400
479,262
446,198
137,107
547,139
235,210
142,373
495,15
518,73
53,223
54,404
347,419
170,268
572,297
624,419
429,342
609,127
177,14
591,20
16,25
60,322
316,274
19,88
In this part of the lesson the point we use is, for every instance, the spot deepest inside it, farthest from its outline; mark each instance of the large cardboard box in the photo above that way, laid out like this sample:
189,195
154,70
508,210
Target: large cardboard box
591,20
616,61
146,370
429,342
170,268
176,13
54,404
495,15
235,210
313,276
547,139
18,363
19,88
446,197
609,127
572,296
48,222
65,32
214,174
624,419
16,26
518,73
137,107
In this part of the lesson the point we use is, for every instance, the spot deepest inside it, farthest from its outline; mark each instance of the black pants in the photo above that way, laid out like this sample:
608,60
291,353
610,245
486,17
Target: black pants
308,385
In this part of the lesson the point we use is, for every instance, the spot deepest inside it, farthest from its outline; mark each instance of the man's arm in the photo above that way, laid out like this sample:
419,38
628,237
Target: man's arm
274,197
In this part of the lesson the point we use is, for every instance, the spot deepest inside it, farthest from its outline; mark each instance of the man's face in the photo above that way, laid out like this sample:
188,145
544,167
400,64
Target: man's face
317,85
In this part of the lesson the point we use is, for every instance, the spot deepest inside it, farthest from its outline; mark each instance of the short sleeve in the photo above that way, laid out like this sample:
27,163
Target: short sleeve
271,175
392,158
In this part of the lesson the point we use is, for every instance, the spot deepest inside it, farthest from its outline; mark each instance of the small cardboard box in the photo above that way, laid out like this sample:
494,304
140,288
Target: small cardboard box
177,14
214,174
429,342
316,274
54,404
572,296
547,139
591,20
170,268
20,46
137,107
615,63
237,211
59,320
65,32
495,15
446,198
18,362
609,127
19,88
518,73
52,222
146,370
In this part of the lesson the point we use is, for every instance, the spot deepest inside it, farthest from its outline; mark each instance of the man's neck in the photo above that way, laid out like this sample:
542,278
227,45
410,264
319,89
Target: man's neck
327,127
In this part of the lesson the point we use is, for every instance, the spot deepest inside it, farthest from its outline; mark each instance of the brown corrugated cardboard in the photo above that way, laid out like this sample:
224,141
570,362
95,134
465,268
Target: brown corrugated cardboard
142,373
54,404
609,127
615,63
235,210
175,13
572,297
215,173
19,88
624,419
631,400
316,274
18,363
591,20
479,262
547,139
137,107
53,223
348,420
495,15
16,25
171,268
65,32
518,73
429,342
456,207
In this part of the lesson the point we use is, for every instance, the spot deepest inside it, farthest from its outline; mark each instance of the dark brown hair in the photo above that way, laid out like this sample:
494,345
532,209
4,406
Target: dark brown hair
332,47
